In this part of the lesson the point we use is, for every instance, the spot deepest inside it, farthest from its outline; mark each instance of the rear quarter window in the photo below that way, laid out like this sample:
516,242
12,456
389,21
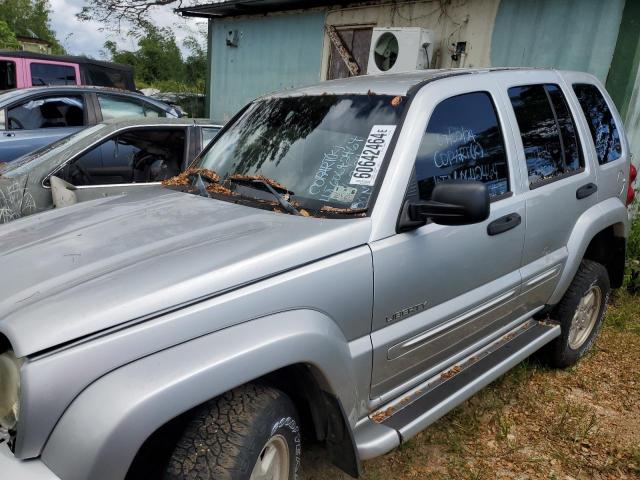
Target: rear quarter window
602,125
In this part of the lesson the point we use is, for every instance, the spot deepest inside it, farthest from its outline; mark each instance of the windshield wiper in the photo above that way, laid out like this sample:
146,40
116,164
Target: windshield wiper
281,200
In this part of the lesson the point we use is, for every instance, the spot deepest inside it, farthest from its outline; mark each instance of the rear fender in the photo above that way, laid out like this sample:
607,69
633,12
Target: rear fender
594,220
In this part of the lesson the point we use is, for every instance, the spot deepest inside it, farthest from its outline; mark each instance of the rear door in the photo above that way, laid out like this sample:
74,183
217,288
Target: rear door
113,106
560,182
441,291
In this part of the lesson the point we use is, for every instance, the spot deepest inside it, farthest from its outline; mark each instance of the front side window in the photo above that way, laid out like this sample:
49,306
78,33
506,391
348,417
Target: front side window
47,112
327,151
463,141
602,125
548,132
138,156
7,74
120,107
49,74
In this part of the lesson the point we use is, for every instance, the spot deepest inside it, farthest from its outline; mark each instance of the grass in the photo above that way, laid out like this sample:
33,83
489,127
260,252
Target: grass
535,422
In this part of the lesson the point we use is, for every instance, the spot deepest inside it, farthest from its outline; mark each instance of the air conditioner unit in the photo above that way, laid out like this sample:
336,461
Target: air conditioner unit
400,49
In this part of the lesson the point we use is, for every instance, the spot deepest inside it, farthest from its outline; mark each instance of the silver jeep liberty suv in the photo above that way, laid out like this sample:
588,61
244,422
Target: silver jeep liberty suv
344,264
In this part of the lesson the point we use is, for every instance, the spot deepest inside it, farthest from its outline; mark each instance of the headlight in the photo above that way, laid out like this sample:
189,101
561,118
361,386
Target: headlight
9,390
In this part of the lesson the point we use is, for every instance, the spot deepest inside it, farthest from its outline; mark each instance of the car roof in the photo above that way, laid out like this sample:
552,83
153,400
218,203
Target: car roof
393,83
81,59
11,95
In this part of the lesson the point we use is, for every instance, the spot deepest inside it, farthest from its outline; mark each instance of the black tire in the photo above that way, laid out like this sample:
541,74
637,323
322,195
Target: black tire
591,275
224,437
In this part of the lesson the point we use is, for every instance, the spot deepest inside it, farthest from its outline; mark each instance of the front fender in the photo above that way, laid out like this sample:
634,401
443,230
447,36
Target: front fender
102,430
591,222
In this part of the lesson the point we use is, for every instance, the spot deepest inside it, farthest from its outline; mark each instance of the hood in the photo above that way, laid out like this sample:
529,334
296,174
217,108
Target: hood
75,271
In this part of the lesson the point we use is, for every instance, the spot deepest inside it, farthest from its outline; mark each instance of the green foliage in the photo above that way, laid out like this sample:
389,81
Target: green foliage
633,255
7,37
158,62
27,17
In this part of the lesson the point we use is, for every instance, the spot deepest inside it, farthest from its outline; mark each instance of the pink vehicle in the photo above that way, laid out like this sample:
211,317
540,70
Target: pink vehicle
26,69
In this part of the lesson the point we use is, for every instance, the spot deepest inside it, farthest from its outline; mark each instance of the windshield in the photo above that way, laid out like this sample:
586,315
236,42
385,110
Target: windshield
326,151
37,157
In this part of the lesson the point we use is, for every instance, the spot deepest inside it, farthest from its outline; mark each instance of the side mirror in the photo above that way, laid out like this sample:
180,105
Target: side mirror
452,203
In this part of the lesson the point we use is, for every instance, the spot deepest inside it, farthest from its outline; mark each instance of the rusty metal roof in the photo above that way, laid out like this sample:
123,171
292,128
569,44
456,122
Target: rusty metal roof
234,8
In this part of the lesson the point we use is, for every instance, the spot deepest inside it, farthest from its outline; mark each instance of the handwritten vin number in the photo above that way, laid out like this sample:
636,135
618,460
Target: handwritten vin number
368,165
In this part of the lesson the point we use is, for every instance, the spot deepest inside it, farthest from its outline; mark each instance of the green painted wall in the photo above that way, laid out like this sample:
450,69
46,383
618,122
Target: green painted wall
274,52
624,67
564,34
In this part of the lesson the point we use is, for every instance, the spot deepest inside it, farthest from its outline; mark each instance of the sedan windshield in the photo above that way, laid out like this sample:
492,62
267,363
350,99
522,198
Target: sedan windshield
323,152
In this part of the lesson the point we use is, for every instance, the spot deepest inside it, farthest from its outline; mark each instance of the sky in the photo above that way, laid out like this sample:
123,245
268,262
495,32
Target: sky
86,38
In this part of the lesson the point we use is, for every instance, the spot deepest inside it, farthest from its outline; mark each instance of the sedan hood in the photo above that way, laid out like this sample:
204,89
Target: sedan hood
72,272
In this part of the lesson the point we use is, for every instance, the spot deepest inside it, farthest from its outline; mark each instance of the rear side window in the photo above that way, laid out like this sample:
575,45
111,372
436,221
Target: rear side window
7,74
548,132
106,77
48,74
120,107
601,123
463,141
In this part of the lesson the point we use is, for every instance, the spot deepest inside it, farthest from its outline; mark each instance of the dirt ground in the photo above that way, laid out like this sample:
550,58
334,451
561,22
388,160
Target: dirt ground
534,423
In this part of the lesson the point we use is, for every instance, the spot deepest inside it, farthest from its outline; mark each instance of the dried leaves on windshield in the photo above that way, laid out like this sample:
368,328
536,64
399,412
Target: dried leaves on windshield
219,188
184,177
344,211
270,181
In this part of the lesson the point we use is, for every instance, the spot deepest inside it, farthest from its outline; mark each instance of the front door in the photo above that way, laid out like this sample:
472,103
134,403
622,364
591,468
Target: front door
441,291
39,121
130,160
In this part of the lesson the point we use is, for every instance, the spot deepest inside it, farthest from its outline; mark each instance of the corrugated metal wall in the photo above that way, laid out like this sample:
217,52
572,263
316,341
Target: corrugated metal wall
273,53
566,34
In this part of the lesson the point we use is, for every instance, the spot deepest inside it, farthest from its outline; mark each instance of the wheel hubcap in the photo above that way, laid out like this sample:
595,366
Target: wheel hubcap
273,461
585,317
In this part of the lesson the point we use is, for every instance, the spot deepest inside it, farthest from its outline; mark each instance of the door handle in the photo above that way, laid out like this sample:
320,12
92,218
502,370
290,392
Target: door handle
9,134
586,190
503,224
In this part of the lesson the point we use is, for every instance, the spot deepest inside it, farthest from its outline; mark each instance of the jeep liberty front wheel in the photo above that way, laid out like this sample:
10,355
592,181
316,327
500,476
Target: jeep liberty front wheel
580,313
249,433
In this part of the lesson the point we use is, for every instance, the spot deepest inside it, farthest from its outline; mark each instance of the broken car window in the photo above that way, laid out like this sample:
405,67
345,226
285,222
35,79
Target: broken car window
138,156
327,150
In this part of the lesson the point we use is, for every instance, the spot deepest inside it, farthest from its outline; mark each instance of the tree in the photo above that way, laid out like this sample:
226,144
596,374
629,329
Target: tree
7,37
195,65
30,17
114,12
157,59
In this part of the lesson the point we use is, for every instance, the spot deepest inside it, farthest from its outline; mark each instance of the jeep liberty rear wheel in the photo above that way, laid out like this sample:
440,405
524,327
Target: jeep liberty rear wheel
249,433
580,313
